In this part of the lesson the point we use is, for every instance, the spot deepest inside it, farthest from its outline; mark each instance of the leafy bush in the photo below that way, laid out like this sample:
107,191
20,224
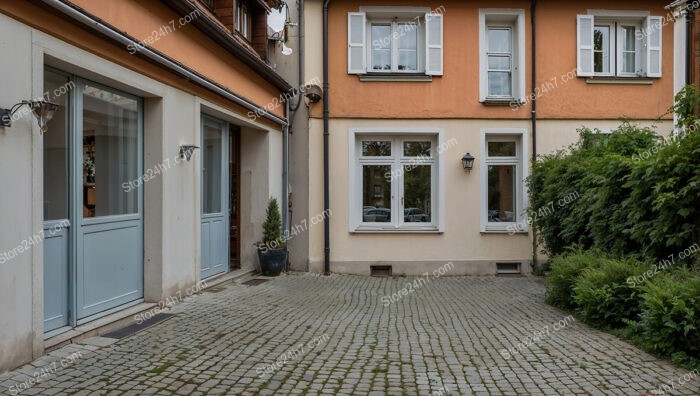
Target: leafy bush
597,168
639,193
602,294
670,318
565,270
664,208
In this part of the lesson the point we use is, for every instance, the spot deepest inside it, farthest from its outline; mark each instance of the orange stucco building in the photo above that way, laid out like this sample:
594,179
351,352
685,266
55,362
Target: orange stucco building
498,82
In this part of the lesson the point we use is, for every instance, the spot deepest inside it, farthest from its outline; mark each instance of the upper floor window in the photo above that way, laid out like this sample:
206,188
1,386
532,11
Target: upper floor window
502,55
243,19
619,44
395,40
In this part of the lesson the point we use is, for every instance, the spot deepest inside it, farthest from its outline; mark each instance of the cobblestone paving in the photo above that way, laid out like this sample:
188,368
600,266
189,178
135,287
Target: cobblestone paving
334,335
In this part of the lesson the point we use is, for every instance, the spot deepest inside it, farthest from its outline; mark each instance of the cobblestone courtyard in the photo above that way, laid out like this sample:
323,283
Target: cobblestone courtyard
336,335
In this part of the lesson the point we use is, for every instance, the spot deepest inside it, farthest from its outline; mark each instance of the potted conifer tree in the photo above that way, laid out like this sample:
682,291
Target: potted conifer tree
272,250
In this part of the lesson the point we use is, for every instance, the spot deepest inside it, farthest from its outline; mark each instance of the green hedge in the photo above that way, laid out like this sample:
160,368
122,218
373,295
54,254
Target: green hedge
660,312
639,192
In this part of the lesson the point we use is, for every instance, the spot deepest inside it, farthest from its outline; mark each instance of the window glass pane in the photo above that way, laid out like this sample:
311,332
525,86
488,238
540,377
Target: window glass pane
499,62
628,64
628,47
110,152
381,60
56,150
629,39
376,148
501,149
499,84
381,47
501,193
408,36
381,37
211,169
417,193
376,193
408,60
499,39
601,50
415,149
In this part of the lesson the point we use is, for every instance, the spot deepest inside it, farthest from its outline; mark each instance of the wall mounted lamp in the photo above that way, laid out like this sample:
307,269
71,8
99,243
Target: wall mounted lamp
186,151
468,162
42,110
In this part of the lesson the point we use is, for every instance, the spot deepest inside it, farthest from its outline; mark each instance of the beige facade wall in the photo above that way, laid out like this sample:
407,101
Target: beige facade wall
462,242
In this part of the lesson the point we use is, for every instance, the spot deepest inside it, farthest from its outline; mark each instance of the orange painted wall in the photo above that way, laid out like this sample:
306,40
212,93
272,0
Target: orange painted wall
139,19
456,93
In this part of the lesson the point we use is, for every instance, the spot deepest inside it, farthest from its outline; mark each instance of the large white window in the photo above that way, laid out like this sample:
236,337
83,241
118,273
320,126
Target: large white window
619,44
395,180
503,172
502,55
396,40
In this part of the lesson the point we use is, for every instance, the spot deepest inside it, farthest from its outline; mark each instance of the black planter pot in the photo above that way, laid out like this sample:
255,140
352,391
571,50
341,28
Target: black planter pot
272,261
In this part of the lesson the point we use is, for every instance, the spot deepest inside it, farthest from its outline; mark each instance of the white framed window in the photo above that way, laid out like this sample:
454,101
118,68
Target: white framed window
395,180
504,154
394,47
502,54
395,40
243,19
619,44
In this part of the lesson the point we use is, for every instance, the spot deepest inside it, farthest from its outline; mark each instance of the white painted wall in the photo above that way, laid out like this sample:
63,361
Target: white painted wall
19,203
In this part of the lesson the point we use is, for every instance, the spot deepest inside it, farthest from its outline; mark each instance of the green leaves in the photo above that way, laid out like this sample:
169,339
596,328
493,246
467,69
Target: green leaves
639,192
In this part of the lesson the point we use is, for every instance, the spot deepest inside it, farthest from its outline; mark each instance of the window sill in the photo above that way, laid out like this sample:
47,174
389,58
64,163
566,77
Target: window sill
404,230
395,77
500,102
620,80
504,232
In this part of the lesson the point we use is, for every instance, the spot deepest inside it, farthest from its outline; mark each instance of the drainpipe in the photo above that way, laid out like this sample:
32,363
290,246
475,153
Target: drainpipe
533,96
285,179
689,16
326,192
291,113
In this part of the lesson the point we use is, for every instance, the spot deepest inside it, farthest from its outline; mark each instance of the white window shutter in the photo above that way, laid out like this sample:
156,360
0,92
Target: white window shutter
433,44
654,24
584,45
356,43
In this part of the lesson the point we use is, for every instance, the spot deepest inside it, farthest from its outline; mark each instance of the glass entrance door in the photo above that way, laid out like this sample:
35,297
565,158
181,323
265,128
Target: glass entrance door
93,226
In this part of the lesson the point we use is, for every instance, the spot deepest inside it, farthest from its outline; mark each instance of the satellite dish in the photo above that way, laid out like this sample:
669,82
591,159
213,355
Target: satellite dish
286,50
276,20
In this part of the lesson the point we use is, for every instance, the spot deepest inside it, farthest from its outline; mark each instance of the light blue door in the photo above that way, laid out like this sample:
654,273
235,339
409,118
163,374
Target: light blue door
215,188
109,250
93,221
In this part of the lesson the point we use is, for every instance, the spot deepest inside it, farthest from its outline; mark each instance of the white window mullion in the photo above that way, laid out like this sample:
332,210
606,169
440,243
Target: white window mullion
399,204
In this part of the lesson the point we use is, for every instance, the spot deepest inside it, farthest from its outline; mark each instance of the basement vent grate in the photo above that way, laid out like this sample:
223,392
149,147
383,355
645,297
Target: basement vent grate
380,270
255,282
135,328
508,268
214,290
